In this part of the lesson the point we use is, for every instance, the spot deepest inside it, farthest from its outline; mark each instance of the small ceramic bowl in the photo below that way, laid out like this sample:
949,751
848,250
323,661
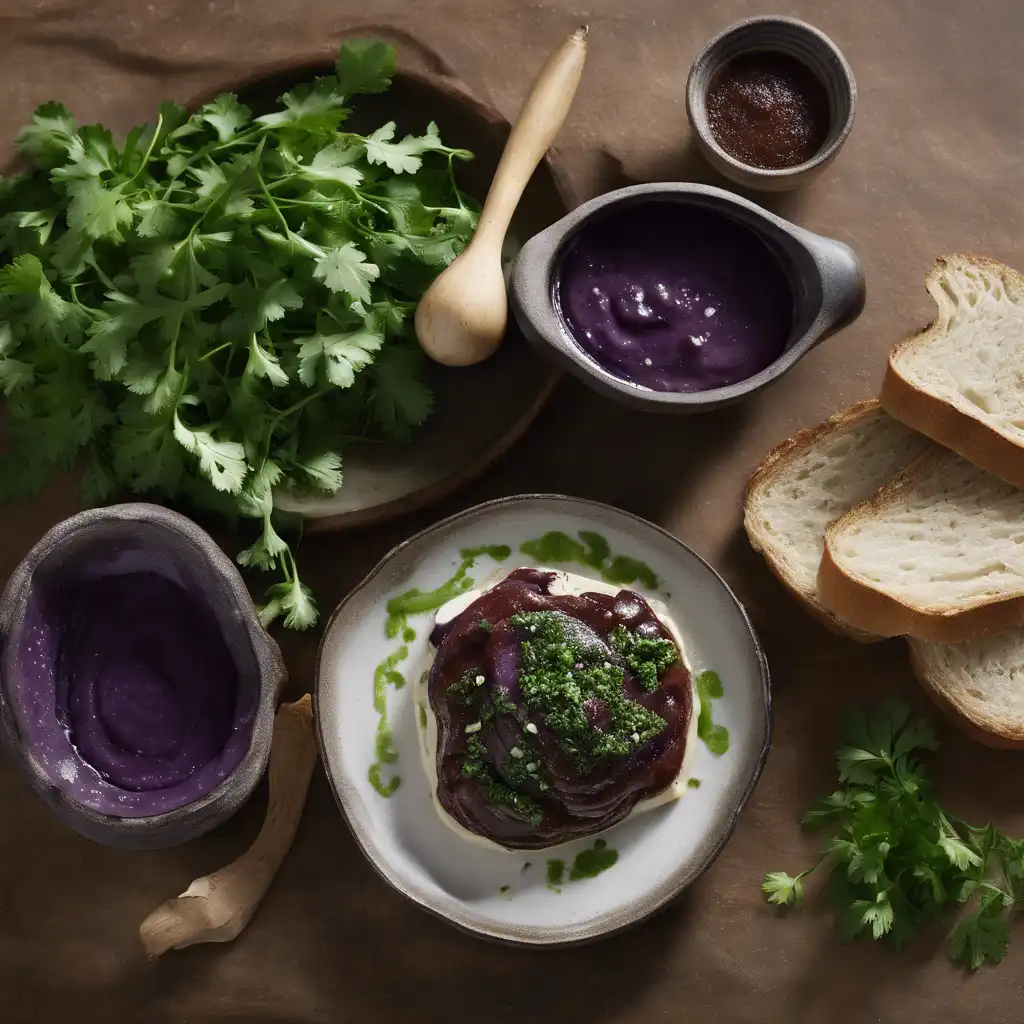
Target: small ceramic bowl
96,545
824,275
372,724
794,39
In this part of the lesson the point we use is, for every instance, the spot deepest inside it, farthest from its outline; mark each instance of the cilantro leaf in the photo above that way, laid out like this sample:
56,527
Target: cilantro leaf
343,355
364,66
782,889
225,115
318,106
405,157
15,375
48,138
876,914
96,211
336,162
978,939
22,276
345,269
222,462
292,599
400,399
264,364
323,470
157,219
958,852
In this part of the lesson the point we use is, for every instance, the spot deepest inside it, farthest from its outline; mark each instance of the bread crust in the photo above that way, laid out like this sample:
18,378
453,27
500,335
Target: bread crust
936,418
986,729
772,465
877,612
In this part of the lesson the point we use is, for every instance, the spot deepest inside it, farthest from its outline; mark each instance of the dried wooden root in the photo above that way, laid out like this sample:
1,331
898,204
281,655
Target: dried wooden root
215,908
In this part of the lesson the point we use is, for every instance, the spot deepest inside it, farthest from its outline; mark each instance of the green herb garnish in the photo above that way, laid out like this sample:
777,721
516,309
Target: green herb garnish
559,674
898,860
496,790
646,657
214,309
465,688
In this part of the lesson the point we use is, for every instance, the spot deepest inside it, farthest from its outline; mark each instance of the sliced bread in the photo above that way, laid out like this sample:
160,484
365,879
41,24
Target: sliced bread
979,682
937,554
814,478
961,380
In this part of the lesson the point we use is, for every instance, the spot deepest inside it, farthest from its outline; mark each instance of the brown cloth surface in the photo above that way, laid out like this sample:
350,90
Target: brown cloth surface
934,165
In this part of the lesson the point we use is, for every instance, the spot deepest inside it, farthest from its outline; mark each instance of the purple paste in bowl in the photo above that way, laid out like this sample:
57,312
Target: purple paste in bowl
674,297
138,688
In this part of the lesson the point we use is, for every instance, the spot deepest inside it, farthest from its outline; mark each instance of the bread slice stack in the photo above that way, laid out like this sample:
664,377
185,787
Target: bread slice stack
904,517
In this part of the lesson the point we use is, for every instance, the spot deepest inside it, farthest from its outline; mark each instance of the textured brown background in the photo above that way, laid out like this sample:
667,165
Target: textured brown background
935,164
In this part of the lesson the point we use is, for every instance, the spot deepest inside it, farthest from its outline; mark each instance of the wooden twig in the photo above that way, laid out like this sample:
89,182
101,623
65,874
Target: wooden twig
215,908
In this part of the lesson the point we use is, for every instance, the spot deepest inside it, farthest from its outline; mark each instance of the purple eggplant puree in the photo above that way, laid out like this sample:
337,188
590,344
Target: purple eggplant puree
674,297
127,695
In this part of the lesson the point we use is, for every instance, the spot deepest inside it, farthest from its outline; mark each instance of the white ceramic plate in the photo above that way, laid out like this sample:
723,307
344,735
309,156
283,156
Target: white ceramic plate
487,890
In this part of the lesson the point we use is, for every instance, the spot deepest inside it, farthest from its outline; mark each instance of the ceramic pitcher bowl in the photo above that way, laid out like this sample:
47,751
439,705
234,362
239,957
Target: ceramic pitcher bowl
824,275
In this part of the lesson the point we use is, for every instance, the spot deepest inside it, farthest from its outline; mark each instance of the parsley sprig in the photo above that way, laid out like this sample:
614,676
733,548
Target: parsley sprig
898,860
217,307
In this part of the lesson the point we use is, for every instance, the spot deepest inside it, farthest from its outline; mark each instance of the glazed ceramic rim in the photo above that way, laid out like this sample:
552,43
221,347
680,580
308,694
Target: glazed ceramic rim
450,910
269,659
696,95
534,279
548,375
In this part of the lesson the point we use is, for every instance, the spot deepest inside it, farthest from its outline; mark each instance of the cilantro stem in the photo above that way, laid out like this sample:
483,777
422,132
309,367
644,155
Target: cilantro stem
241,137
149,148
214,351
296,407
273,206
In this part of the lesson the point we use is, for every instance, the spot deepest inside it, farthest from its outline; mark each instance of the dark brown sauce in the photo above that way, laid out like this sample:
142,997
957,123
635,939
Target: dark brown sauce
768,110
570,804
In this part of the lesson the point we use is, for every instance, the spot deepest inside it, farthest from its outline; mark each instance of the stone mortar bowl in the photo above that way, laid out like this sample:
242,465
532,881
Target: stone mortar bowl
126,538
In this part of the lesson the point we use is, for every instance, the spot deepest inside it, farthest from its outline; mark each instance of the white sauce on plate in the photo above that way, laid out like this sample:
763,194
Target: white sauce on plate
564,583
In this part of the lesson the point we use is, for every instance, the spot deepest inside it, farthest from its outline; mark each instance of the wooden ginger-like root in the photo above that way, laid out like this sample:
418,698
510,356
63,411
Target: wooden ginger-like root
215,908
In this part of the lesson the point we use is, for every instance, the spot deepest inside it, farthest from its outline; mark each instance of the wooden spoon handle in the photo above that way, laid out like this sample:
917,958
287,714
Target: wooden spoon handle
215,908
536,127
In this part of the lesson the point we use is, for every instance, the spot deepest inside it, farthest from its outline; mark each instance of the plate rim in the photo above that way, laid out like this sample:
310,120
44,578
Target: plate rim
625,918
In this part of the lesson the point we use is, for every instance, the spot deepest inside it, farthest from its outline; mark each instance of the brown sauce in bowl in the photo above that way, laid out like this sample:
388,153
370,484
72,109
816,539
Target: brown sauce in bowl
768,110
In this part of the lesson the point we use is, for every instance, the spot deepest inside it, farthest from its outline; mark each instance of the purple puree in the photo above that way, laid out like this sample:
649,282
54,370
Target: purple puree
674,297
128,695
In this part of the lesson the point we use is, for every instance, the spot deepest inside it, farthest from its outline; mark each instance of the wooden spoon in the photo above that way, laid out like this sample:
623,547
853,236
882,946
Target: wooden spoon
215,908
461,318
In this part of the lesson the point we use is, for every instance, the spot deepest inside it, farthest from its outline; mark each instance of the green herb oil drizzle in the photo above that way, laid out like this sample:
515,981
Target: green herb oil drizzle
413,602
556,872
593,550
588,863
715,737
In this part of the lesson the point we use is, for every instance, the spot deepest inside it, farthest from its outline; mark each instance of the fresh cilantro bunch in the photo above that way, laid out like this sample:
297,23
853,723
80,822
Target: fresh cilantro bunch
214,308
898,860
